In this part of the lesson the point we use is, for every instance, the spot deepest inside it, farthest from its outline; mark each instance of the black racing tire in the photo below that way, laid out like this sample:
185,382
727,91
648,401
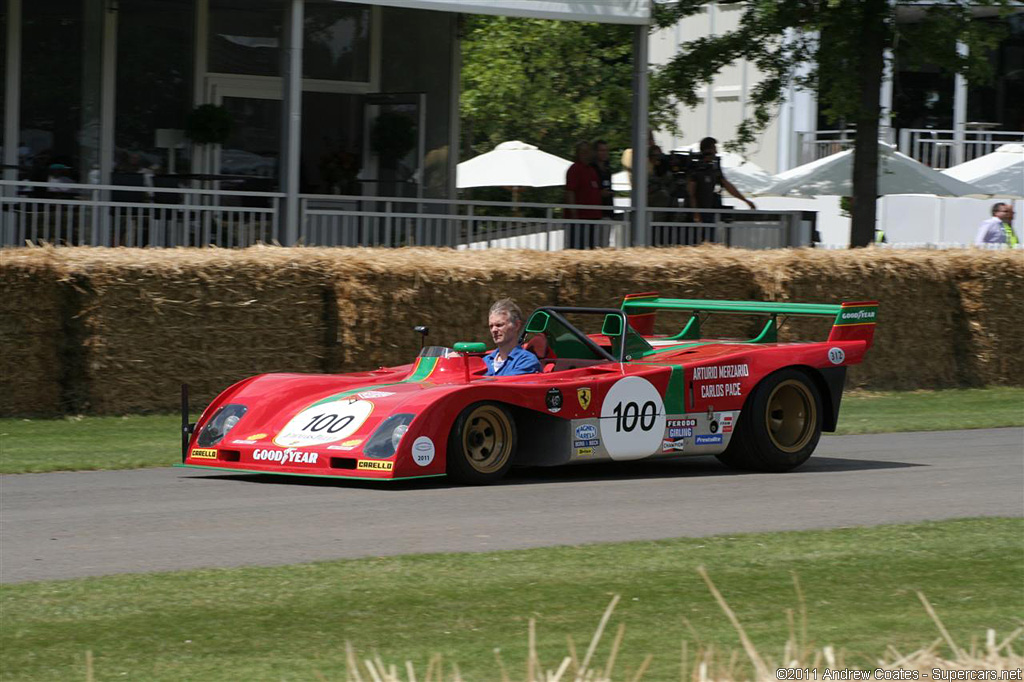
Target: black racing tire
780,425
482,444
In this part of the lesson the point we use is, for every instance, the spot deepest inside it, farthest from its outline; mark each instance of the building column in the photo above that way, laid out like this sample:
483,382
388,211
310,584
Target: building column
291,121
885,131
959,110
641,105
12,85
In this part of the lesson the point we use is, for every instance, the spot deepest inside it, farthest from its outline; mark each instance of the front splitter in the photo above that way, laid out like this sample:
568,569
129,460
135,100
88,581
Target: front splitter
288,473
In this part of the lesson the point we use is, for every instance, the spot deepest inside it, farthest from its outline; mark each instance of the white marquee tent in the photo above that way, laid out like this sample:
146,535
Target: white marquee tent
897,174
1001,172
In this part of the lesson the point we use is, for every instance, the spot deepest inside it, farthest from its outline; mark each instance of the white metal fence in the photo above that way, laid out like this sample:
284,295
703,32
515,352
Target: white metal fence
938,149
817,144
114,215
941,148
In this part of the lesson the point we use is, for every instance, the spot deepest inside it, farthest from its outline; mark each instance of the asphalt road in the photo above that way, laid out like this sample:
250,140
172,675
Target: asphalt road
69,525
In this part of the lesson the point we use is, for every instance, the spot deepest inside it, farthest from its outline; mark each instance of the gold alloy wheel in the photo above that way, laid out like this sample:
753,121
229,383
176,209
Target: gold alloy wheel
487,439
791,415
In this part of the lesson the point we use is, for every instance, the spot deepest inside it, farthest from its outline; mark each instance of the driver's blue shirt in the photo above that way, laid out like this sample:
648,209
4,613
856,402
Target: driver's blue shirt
519,361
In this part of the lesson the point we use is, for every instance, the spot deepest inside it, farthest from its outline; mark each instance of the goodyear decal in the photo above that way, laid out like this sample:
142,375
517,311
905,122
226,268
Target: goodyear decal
867,314
374,465
202,453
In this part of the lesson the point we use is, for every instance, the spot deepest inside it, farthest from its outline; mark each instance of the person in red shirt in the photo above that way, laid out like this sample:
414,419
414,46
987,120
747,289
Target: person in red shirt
582,186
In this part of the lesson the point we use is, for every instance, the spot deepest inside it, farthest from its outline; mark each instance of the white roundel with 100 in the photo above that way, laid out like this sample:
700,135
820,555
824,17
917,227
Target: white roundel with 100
632,419
325,423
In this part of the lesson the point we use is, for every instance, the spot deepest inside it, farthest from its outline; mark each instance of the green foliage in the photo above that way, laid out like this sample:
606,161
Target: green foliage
548,83
818,46
835,48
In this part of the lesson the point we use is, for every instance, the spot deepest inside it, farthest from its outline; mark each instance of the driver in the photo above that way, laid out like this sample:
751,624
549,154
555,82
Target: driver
506,324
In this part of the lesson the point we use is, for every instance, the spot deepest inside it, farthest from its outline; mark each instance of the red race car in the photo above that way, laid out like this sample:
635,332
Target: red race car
616,392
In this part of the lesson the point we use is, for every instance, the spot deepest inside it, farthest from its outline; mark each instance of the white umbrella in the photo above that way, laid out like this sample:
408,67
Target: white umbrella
1001,172
897,174
746,176
512,164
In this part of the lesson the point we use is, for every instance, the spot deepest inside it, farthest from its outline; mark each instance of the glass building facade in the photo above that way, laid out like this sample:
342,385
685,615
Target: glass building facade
108,89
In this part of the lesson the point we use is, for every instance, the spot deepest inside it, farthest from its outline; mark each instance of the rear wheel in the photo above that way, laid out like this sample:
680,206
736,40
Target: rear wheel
779,426
481,444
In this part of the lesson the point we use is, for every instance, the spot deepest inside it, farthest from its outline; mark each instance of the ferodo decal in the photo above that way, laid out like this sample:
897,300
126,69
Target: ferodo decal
632,419
201,453
376,465
423,451
325,423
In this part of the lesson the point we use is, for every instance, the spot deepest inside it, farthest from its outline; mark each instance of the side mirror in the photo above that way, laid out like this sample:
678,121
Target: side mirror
422,331
538,323
612,325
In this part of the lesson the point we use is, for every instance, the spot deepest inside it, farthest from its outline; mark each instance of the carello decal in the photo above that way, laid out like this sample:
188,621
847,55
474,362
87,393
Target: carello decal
375,465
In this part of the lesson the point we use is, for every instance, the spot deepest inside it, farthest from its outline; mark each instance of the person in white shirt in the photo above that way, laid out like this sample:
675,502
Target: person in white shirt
998,229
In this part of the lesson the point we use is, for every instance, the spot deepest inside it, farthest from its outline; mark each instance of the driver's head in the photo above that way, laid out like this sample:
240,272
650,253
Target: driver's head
505,321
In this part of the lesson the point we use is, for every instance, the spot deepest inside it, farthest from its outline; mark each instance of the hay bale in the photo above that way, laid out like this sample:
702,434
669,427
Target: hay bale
918,318
603,278
155,319
989,285
382,295
30,333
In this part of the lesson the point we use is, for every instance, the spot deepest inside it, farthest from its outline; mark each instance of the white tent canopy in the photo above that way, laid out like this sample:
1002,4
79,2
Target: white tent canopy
605,11
512,164
1001,172
897,174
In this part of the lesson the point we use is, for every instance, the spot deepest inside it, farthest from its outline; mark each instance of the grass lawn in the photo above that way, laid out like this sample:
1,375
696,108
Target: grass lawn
292,622
970,408
37,445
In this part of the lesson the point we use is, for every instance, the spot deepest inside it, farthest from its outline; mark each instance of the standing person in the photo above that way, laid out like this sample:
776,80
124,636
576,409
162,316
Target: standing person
998,229
505,321
582,186
604,175
703,180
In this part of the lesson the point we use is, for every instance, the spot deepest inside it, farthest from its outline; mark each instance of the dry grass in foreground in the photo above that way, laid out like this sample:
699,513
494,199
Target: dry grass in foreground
995,660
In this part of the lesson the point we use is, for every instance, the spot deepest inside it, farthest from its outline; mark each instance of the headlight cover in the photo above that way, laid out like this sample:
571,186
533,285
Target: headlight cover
384,441
223,420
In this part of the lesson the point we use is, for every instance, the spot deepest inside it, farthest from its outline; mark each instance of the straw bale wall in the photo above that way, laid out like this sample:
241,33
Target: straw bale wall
381,296
155,319
919,316
990,287
30,332
114,331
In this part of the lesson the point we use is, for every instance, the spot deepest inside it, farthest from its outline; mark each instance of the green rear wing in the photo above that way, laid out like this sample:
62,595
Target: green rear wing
852,321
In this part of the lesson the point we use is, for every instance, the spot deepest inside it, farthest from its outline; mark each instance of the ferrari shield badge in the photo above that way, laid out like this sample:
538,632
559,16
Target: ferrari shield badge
583,395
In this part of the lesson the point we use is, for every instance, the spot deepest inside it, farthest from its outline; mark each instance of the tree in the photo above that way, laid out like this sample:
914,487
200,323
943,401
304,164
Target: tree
837,48
548,83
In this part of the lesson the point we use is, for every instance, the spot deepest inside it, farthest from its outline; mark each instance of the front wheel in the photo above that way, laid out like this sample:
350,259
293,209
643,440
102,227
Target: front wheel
481,444
779,426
